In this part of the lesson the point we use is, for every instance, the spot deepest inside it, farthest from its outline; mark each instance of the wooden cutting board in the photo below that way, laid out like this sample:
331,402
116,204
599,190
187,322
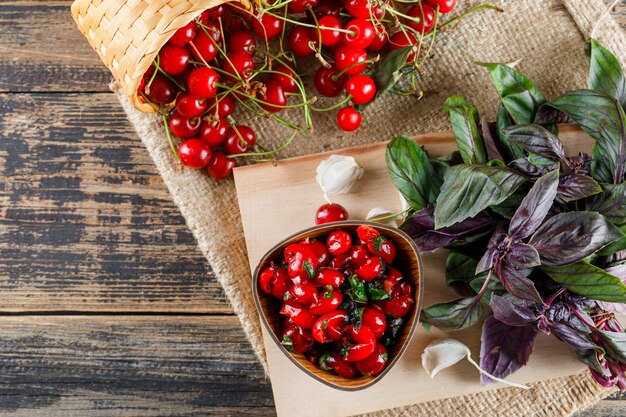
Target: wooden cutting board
279,200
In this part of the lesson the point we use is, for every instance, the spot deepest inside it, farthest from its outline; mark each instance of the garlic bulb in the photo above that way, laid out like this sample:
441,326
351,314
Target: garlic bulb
337,174
444,353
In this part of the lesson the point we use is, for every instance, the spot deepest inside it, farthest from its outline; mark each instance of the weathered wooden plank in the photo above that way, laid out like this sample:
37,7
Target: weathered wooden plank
42,50
140,366
86,223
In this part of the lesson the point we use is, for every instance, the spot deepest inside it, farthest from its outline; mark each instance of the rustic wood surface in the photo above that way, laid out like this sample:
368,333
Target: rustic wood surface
108,308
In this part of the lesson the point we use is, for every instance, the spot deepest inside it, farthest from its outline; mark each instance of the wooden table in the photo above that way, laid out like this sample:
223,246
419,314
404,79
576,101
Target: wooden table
107,306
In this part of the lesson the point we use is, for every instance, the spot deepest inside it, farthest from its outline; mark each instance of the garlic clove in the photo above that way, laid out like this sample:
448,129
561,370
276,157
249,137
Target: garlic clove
442,354
337,174
377,212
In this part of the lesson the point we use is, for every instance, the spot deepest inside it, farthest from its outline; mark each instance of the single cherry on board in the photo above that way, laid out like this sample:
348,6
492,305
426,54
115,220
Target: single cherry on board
330,212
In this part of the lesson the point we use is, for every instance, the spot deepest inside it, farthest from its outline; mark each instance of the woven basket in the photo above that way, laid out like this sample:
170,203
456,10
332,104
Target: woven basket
128,35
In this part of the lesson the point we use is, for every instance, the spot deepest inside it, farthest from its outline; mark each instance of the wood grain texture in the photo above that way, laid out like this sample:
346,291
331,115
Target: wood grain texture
129,366
86,223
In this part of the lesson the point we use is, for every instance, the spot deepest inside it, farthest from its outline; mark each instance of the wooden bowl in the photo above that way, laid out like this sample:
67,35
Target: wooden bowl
407,261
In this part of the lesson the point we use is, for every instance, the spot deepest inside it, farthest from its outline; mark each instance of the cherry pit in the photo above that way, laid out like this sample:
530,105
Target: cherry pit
342,301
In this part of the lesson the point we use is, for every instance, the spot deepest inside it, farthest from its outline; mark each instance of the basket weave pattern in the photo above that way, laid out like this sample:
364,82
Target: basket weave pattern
128,35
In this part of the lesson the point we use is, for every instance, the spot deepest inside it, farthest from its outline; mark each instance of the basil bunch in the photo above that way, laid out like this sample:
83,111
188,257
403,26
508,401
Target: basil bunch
536,235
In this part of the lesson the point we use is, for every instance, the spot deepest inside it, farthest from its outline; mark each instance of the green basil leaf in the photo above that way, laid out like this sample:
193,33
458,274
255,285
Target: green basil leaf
617,246
469,189
603,118
454,315
412,172
614,343
536,139
606,73
389,70
588,280
460,267
356,292
511,150
519,95
570,237
465,125
611,203
376,292
494,286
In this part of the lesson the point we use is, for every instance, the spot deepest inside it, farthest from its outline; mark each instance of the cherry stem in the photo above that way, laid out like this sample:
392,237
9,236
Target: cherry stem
169,137
334,106
272,152
367,61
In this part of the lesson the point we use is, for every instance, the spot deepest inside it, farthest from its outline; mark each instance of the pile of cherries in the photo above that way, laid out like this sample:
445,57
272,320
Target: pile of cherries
223,60
343,302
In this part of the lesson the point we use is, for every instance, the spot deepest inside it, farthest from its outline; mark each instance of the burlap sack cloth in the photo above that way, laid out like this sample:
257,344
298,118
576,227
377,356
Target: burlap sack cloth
546,35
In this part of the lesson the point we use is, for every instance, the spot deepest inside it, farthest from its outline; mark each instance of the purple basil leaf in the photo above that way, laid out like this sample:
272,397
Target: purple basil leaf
504,348
523,166
575,186
522,255
534,207
510,313
572,337
536,139
516,283
590,358
490,133
547,115
421,228
611,203
570,237
469,189
488,259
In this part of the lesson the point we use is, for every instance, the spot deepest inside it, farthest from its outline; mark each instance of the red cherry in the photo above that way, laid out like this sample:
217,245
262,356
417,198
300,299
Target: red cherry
214,135
286,77
274,280
173,59
183,35
296,339
183,127
221,106
239,65
329,327
328,8
374,363
366,233
362,89
216,12
202,82
381,39
403,40
221,166
300,6
347,60
320,250
239,139
194,153
330,212
363,344
190,106
338,242
305,293
303,41
375,320
358,255
268,27
273,97
334,361
326,84
328,276
425,18
339,261
327,301
214,30
301,262
362,9
363,34
382,248
203,47
445,6
401,301
242,41
348,119
370,269
298,314
161,90
328,26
